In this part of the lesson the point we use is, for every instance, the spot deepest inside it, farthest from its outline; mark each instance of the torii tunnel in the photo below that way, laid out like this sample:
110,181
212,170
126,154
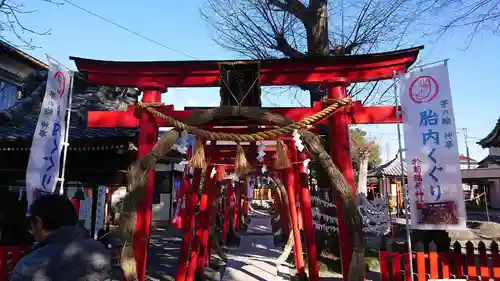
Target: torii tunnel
332,73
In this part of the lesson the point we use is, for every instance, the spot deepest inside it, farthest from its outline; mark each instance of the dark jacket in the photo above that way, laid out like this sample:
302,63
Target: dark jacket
65,255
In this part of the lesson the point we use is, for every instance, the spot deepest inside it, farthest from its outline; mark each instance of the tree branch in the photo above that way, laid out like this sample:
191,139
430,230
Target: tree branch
283,46
263,29
294,7
10,10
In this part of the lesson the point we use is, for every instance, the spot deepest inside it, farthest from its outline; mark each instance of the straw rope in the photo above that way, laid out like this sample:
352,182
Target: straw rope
264,135
138,173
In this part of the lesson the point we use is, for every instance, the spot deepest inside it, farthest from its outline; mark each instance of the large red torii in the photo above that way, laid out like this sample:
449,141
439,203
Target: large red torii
334,73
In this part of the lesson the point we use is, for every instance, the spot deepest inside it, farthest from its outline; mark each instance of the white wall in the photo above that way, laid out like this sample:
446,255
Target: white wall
161,211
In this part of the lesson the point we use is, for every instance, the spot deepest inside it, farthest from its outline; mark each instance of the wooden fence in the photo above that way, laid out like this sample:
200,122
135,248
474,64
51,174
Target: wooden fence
9,256
458,263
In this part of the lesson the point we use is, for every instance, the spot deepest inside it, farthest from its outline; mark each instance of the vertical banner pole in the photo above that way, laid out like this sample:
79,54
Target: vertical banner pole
44,162
399,116
486,205
100,211
66,134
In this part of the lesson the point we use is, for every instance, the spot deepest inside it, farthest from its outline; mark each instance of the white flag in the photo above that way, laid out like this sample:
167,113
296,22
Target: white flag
43,164
100,213
434,177
83,209
88,212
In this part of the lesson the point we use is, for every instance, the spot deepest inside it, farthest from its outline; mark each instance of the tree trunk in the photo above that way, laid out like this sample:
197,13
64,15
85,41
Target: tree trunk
317,28
363,174
316,25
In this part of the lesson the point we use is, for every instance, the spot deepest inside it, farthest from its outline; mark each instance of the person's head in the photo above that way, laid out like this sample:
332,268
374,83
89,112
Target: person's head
49,213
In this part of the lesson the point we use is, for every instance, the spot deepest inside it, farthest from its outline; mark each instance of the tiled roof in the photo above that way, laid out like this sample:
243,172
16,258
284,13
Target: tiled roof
490,159
391,169
493,138
18,122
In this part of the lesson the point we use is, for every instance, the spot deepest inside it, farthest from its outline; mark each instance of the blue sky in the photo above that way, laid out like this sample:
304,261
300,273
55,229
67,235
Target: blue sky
473,72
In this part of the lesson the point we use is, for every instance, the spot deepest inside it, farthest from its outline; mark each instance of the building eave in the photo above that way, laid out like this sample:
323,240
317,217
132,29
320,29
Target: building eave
12,50
493,138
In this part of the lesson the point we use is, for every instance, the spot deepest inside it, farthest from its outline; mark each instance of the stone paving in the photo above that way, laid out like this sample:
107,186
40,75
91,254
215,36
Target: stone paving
163,256
254,259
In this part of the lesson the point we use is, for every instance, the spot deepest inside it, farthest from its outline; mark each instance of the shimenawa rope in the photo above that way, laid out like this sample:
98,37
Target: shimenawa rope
264,135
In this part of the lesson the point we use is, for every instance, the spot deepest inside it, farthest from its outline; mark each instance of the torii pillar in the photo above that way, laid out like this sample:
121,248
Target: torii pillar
148,137
341,156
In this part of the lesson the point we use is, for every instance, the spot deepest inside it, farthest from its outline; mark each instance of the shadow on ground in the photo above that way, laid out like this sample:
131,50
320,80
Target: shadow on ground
163,257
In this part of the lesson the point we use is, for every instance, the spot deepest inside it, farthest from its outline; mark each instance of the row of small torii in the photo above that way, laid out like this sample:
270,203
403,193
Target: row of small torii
237,184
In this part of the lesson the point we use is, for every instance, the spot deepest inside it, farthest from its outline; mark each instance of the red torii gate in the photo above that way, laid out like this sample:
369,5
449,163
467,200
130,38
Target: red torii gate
334,73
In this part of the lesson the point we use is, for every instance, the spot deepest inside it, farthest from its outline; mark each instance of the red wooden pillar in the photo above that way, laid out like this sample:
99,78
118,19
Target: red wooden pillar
227,212
252,156
285,214
182,201
236,211
148,136
237,205
297,249
215,185
296,174
191,202
206,214
184,194
277,203
341,156
201,237
245,198
307,219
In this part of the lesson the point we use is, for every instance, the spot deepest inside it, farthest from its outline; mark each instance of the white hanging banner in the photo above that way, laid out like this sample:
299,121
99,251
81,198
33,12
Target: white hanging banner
100,209
44,160
82,213
434,177
88,213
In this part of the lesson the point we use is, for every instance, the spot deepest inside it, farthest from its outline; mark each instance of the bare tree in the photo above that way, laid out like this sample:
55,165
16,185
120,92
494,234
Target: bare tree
365,154
11,23
476,16
263,29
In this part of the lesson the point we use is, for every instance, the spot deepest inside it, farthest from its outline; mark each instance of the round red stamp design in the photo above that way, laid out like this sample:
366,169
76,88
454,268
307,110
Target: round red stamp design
424,89
59,76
